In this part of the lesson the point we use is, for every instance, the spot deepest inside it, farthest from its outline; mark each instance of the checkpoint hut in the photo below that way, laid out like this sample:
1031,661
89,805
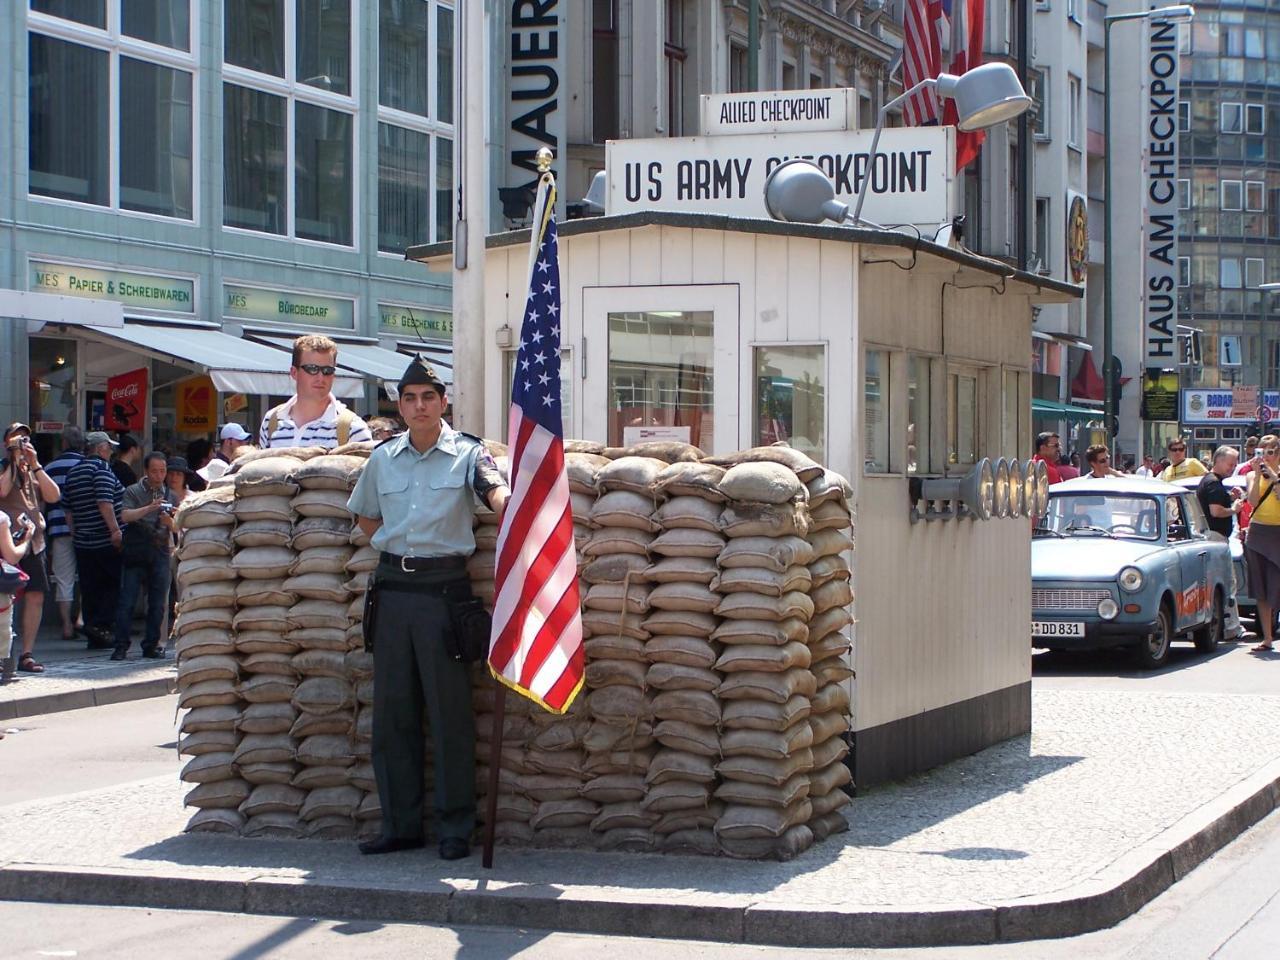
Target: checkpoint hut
888,358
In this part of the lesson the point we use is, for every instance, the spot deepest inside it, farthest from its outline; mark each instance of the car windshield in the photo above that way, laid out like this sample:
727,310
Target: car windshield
1101,515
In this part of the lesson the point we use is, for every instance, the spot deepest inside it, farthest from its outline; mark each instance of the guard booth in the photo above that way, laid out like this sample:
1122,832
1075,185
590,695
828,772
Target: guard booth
885,357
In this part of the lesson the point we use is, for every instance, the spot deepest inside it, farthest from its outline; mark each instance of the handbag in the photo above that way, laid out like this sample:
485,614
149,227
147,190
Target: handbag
136,545
467,639
12,579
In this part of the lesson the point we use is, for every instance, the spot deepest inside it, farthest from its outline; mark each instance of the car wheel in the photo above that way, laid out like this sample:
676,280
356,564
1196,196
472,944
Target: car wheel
1153,649
1210,635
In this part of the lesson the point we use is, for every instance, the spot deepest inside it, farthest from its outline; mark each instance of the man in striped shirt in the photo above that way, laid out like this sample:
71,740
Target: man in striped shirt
313,416
62,552
93,498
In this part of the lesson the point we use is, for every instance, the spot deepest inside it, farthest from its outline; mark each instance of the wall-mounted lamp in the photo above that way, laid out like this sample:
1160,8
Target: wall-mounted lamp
1005,488
799,192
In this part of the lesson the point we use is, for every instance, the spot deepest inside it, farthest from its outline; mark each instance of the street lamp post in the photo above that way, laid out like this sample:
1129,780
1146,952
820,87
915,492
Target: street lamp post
1178,13
1262,350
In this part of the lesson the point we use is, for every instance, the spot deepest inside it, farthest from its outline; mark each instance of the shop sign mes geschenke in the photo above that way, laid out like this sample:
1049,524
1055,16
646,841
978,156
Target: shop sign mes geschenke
412,321
138,290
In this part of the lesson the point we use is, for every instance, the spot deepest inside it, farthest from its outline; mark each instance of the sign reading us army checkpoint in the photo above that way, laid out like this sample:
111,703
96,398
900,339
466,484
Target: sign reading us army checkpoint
910,181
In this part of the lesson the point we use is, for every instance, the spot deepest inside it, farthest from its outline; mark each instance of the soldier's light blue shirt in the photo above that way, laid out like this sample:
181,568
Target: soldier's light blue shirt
425,500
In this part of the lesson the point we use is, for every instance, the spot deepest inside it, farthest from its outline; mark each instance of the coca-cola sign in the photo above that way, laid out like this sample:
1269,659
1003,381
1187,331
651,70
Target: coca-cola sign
127,400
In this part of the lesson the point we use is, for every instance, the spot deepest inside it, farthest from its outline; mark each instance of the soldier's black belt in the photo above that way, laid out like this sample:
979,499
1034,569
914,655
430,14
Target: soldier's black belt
422,564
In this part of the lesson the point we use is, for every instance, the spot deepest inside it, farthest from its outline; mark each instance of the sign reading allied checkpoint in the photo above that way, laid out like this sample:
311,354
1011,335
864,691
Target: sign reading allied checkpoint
911,179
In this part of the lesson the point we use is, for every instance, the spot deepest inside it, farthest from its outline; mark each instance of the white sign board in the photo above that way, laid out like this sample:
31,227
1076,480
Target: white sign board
1215,406
634,435
911,180
1160,218
1229,350
779,111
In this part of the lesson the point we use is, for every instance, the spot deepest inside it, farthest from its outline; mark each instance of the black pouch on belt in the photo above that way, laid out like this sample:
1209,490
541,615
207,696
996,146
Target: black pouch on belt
467,640
369,620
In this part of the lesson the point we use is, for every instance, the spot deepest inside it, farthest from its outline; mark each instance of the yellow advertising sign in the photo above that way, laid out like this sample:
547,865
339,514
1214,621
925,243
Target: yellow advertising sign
196,400
234,403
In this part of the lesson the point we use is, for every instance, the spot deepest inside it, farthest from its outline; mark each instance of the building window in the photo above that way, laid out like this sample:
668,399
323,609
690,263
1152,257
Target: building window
866,113
1230,118
111,119
1231,195
1040,95
415,123
676,54
1014,419
816,81
1255,119
1043,213
875,412
1073,120
791,398
919,414
1184,116
1255,196
1184,194
1229,273
289,119
660,374
1184,271
1254,272
788,76
962,417
604,70
738,68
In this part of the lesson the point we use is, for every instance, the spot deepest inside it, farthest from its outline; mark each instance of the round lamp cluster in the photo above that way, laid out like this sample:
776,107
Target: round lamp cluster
992,489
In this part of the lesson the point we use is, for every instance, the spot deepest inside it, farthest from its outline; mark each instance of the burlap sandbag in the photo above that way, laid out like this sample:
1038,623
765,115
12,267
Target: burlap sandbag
763,581
331,472
273,826
616,817
260,773
619,702
829,516
607,623
831,670
322,503
263,508
761,631
266,688
363,560
752,606
686,542
319,776
668,764
826,569
695,811
264,593
764,795
207,741
686,651
205,542
668,451
331,801
762,483
266,617
204,618
614,788
831,697
695,513
767,744
604,673
202,719
680,623
564,813
747,822
262,533
836,593
764,519
824,803
325,750
775,687
768,552
267,476
217,821
271,662
322,695
273,798
832,645
690,480
265,748
828,543
311,532
682,570
262,563
616,569
631,597
829,751
320,663
761,656
692,706
697,842
764,714
209,508
800,464
208,693
208,768
761,770
609,647
683,596
199,643
319,586
225,794
829,621
251,642
612,540
215,593
829,778
688,737
676,676
827,725
210,667
204,570
829,486
318,613
636,474
624,508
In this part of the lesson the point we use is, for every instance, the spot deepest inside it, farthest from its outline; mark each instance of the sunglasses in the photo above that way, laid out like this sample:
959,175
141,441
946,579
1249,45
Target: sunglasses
1177,449
1270,449
314,368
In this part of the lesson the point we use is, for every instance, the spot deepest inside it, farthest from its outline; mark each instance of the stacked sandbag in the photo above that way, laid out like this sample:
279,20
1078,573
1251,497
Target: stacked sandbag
208,670
829,646
763,584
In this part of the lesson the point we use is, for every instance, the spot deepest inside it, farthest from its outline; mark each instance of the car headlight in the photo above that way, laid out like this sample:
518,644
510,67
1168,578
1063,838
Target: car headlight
1107,609
1131,579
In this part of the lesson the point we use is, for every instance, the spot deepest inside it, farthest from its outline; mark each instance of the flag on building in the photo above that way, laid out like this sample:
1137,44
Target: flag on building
536,644
926,22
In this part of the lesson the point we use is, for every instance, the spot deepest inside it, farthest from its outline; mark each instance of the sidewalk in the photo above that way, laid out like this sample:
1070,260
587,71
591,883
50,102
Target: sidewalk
1113,798
75,677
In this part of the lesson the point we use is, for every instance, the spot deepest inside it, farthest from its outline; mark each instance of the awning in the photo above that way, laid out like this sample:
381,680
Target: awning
1064,411
366,359
234,365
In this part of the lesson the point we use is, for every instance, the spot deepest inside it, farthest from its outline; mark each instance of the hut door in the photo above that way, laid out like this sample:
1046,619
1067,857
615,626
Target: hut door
661,363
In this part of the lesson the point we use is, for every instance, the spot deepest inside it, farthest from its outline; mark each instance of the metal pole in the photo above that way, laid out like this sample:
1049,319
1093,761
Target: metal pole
1108,361
1264,288
753,45
1025,204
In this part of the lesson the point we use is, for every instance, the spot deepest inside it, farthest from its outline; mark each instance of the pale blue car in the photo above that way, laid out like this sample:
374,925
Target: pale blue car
1126,562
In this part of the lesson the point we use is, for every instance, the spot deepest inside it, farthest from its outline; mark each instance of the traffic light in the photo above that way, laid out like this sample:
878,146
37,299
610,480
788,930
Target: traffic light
1113,428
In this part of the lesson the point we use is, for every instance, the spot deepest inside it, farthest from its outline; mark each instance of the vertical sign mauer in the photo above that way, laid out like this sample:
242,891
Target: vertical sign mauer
1160,220
535,111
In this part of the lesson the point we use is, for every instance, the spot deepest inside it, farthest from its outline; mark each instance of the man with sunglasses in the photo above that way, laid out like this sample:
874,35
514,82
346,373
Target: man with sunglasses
1180,465
1049,450
313,416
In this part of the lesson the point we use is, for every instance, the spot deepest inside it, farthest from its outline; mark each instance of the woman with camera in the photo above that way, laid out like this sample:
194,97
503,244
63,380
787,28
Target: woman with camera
1263,541
24,490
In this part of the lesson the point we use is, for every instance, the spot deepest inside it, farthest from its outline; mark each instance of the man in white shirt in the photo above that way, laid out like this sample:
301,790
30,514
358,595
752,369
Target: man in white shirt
313,416
1148,468
231,439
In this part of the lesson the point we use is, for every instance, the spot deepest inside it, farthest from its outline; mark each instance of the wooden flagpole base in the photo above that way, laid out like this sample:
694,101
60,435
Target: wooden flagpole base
495,765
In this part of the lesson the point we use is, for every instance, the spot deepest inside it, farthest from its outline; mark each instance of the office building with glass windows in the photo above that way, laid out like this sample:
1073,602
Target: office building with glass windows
232,173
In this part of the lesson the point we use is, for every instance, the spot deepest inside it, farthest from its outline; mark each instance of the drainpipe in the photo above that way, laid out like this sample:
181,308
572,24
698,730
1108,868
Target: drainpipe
753,45
1025,146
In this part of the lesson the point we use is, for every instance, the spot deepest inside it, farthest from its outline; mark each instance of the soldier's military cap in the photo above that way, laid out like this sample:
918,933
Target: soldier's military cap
419,373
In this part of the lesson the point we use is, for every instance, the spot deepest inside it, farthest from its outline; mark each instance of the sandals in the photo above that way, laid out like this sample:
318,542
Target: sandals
27,664
1263,648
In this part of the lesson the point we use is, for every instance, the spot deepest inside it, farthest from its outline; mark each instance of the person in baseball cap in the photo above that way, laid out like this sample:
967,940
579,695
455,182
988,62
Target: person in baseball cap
230,439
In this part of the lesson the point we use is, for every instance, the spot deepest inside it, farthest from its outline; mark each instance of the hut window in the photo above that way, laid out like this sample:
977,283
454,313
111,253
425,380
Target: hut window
919,421
875,412
791,397
660,374
962,417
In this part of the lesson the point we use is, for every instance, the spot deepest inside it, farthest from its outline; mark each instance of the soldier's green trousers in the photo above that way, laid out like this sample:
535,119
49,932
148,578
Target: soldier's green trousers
413,671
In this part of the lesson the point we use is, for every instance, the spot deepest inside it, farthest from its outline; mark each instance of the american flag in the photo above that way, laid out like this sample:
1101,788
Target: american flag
925,21
536,645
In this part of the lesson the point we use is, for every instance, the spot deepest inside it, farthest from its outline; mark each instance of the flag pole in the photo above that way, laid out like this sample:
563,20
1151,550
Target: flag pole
544,159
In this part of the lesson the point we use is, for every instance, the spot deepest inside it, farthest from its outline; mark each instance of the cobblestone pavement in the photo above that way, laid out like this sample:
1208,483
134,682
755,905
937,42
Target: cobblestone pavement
75,677
1103,773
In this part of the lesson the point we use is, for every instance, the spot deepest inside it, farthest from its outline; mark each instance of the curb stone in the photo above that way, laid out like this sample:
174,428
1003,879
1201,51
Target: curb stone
39,705
1113,893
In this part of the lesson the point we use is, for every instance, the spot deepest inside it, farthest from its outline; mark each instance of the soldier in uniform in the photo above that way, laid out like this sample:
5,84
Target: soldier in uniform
415,501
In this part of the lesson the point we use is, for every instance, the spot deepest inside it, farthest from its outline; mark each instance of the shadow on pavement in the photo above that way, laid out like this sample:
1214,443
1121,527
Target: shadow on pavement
1120,662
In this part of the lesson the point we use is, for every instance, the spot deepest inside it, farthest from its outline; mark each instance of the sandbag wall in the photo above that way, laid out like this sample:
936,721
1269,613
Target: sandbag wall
712,720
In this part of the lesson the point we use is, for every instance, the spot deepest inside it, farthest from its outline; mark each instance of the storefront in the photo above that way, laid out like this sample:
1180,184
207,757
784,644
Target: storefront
888,359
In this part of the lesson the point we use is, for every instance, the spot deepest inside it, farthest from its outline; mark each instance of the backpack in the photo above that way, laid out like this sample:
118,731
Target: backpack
345,419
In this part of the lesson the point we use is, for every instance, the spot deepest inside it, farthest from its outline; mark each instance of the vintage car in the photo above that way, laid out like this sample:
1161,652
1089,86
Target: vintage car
1244,601
1126,562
